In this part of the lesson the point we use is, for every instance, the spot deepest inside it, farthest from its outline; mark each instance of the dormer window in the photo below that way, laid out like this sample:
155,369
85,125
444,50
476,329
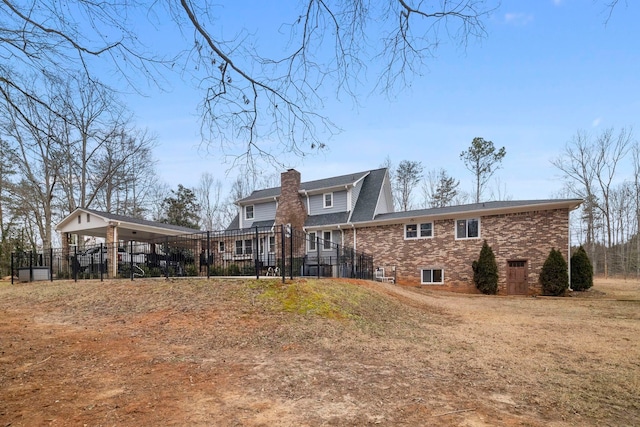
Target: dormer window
248,212
328,200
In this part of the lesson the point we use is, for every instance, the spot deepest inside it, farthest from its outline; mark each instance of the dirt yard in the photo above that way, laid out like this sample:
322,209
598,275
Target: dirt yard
312,353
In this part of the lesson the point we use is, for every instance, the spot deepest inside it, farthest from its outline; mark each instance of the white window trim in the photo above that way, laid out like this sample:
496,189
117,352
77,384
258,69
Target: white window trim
324,200
221,246
313,241
431,283
418,235
244,247
455,226
246,212
324,241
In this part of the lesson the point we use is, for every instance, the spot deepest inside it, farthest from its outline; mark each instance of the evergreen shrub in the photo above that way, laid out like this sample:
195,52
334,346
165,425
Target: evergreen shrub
554,276
581,270
485,271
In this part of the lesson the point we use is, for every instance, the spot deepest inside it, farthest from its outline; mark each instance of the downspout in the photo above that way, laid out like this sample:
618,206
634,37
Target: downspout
346,187
306,195
569,250
353,226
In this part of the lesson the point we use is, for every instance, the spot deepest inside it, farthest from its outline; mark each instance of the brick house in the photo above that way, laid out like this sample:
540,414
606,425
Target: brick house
434,247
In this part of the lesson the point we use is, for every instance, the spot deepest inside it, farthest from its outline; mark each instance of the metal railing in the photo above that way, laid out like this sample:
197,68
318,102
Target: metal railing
258,251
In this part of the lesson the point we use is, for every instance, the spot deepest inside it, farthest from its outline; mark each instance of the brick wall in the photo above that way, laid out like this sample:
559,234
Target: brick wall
291,208
523,236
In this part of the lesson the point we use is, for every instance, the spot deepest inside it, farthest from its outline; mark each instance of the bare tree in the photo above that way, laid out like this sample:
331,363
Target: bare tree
428,187
31,131
209,197
610,150
591,165
577,162
635,151
157,194
249,95
407,176
499,190
123,173
7,219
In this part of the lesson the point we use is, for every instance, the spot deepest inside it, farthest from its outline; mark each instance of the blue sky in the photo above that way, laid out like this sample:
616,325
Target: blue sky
545,70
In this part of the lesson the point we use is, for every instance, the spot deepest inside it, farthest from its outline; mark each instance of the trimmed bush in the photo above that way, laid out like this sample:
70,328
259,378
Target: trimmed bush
485,271
581,270
554,276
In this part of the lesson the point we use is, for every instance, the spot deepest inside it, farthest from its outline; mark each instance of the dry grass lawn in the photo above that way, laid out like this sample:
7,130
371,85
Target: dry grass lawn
311,353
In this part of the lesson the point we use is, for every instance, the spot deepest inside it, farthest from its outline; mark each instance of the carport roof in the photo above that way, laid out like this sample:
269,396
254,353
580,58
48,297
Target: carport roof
89,222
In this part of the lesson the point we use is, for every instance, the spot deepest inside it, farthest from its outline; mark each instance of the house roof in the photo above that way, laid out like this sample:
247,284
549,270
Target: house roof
309,186
327,219
129,228
371,194
485,208
365,208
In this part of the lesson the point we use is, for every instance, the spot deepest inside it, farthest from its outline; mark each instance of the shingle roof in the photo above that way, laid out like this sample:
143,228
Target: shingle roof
132,220
475,207
336,181
235,223
368,199
327,219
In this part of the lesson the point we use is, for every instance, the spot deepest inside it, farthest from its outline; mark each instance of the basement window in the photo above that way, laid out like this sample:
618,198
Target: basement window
432,276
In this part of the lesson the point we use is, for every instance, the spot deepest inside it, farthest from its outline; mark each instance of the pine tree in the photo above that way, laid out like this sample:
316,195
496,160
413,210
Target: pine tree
581,270
446,191
554,275
485,271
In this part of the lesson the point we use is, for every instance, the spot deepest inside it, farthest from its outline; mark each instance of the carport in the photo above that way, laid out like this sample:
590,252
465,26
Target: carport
114,228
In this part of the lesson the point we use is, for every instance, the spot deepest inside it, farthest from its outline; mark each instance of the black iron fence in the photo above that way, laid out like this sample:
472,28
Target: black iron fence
258,251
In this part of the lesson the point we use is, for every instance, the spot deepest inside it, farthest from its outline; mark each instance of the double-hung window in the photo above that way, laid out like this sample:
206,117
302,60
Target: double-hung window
221,246
311,241
415,231
327,200
326,236
244,247
468,228
430,276
248,212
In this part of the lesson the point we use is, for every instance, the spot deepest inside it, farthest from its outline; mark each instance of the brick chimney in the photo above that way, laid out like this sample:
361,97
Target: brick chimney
291,208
